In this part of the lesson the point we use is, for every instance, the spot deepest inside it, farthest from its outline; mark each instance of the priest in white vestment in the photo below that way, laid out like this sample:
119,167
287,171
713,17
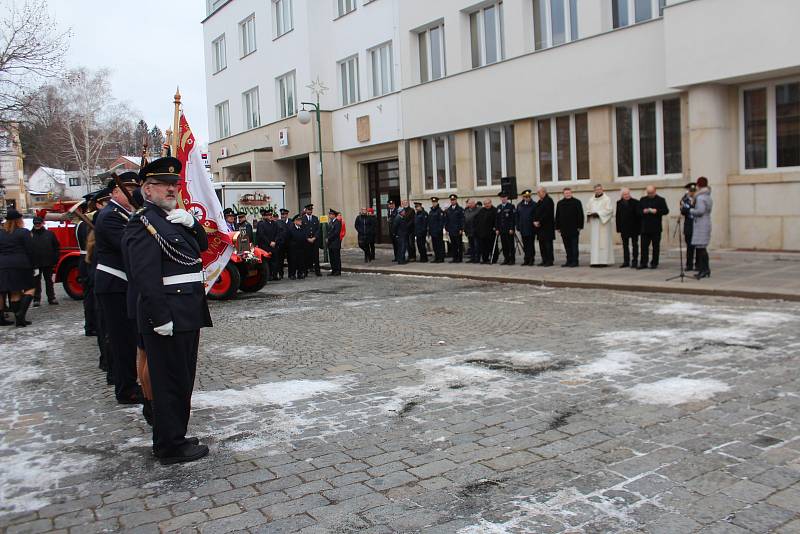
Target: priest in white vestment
599,212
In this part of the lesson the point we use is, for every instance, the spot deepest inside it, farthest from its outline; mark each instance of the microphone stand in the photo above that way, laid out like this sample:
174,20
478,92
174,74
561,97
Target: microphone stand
682,274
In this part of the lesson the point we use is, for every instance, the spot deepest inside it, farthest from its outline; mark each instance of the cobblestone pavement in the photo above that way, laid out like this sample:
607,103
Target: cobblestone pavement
374,403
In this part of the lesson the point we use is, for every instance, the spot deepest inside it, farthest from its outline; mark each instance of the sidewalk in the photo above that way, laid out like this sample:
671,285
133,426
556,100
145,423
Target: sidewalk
733,274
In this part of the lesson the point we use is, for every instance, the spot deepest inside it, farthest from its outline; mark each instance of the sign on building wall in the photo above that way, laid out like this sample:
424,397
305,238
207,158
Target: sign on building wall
283,137
362,128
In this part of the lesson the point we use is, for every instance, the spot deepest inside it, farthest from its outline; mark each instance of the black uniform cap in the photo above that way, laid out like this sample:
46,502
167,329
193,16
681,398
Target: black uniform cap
264,212
284,210
502,194
453,197
228,211
162,169
527,192
129,177
418,203
13,214
434,199
89,197
102,194
241,214
298,216
333,211
309,206
691,186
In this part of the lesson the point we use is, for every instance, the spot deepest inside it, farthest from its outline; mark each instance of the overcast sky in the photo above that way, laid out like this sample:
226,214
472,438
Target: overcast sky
151,46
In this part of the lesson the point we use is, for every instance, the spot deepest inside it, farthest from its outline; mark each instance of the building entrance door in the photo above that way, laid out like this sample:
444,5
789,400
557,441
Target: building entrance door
383,178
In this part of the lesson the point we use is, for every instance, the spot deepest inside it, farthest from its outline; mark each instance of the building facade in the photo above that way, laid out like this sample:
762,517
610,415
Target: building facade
12,183
431,98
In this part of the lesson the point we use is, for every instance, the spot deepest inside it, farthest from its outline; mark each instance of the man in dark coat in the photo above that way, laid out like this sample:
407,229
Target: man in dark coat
314,232
391,215
436,222
411,240
361,224
687,203
454,226
334,237
629,223
525,211
653,208
82,234
569,222
284,224
470,213
485,231
267,233
297,244
421,231
544,222
172,307
505,224
400,231
44,249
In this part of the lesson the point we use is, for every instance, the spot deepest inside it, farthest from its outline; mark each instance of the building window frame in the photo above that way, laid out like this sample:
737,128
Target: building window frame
630,11
250,99
349,82
426,67
283,15
450,174
636,139
571,32
219,54
74,181
477,28
345,7
772,127
223,118
378,77
286,94
247,36
504,129
573,147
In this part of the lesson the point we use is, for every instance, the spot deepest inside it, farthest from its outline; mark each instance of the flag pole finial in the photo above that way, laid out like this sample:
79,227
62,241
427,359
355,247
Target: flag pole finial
176,130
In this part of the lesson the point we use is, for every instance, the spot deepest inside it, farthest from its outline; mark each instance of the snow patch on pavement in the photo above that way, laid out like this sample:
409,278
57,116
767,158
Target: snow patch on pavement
674,391
615,362
250,352
280,393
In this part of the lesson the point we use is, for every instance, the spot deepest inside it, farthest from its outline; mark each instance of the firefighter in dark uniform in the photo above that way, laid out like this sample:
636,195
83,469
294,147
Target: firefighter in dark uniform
525,211
334,238
436,220
454,225
297,244
163,247
111,287
101,198
267,238
421,231
284,224
243,225
82,235
505,224
313,240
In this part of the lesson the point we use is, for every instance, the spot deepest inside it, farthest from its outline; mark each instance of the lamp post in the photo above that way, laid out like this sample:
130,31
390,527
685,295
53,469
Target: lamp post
304,117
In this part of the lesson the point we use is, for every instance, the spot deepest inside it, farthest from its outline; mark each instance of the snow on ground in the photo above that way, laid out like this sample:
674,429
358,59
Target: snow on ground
250,352
280,393
615,362
674,391
728,314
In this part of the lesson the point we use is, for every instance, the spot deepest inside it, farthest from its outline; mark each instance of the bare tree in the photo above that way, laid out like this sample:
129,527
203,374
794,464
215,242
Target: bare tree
30,49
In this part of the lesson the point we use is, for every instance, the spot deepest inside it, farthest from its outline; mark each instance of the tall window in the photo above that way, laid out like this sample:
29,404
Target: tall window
486,35
286,95
345,7
494,154
247,35
252,114
771,126
218,53
431,54
283,15
439,162
213,5
648,138
348,77
554,22
626,12
223,120
563,144
382,67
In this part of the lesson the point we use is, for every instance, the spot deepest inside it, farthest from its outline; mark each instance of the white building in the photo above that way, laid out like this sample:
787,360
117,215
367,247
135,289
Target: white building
428,98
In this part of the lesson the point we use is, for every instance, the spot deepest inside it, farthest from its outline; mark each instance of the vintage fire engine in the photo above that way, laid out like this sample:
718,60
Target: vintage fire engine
248,269
66,270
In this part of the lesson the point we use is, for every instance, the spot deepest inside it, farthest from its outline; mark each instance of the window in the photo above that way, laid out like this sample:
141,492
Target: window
286,98
486,35
247,35
348,77
252,114
554,22
563,144
494,154
223,120
345,7
213,5
5,141
74,181
431,54
626,12
648,138
381,64
283,15
218,53
770,136
439,162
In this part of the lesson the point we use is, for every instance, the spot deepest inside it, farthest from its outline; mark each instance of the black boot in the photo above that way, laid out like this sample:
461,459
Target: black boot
3,320
147,411
22,309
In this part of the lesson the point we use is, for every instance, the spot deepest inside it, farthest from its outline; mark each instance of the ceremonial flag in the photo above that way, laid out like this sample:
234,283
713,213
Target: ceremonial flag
197,196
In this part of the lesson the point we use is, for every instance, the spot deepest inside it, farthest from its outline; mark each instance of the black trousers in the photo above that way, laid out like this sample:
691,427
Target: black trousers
103,340
335,257
702,260
89,312
365,249
422,247
402,249
690,264
411,241
509,248
630,242
546,251
122,332
647,240
297,262
394,247
276,263
571,247
457,247
172,361
474,249
47,274
312,257
437,242
529,248
485,245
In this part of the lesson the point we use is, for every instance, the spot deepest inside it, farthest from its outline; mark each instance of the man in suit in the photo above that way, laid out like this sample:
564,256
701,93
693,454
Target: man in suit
436,221
421,231
505,223
334,238
297,246
454,226
569,223
629,223
163,246
313,232
267,239
653,208
391,214
525,210
544,222
283,224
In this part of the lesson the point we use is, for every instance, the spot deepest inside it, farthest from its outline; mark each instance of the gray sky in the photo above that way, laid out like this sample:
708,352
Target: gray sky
151,46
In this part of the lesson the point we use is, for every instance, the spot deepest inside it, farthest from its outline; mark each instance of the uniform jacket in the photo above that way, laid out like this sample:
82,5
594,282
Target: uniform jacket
16,249
485,222
506,219
454,220
108,229
82,235
469,220
569,216
651,223
266,232
311,225
44,251
400,226
420,223
297,237
701,233
545,216
525,211
334,235
629,217
436,220
283,231
184,304
688,218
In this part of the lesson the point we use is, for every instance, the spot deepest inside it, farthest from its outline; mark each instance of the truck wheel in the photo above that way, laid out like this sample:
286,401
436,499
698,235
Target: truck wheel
255,277
69,274
227,284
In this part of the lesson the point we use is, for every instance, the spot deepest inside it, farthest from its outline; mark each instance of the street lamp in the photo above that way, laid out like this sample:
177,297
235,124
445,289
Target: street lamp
304,117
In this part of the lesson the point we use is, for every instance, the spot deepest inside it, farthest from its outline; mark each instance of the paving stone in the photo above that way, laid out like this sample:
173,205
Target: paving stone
788,499
748,492
223,511
510,461
233,523
31,527
762,517
183,521
143,518
433,469
294,507
391,480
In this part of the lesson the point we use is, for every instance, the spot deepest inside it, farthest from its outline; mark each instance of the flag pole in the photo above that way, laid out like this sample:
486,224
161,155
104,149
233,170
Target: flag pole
176,127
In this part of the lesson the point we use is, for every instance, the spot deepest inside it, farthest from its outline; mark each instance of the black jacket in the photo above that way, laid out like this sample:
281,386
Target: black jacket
297,237
525,211
544,214
45,248
266,232
421,223
108,229
506,219
365,227
569,216
484,222
16,249
454,220
629,218
333,234
312,226
436,220
400,226
651,222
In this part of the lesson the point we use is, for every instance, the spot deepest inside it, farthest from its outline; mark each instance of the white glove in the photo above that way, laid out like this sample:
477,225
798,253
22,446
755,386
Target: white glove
179,216
164,329
36,272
